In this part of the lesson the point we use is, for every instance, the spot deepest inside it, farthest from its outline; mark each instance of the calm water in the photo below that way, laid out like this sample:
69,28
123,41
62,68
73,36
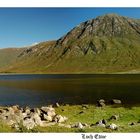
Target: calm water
38,90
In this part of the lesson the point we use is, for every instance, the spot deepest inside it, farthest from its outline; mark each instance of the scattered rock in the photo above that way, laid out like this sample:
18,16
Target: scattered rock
101,103
85,125
132,123
46,124
60,119
92,125
67,126
101,123
78,125
115,101
84,106
46,109
81,112
61,124
57,105
113,126
29,123
114,117
11,122
104,121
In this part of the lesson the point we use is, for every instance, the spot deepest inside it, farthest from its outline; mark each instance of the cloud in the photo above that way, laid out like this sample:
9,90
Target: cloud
34,44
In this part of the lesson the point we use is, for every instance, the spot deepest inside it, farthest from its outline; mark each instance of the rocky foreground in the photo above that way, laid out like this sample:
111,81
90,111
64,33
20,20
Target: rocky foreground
15,117
44,117
80,117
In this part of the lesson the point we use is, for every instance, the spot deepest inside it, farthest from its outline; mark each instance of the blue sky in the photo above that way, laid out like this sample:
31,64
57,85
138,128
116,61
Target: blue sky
25,26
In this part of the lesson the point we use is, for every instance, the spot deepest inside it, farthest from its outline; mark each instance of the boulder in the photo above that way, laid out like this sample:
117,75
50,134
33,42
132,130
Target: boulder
3,117
115,101
101,123
77,125
37,110
67,126
85,125
84,106
92,124
26,111
10,122
36,119
29,123
46,109
18,117
80,126
104,121
46,124
101,103
114,117
16,126
57,105
60,119
10,110
50,111
113,126
2,111
47,118
81,112
132,123
15,108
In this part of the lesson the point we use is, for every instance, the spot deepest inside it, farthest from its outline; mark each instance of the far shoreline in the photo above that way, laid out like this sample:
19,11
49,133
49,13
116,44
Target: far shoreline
74,73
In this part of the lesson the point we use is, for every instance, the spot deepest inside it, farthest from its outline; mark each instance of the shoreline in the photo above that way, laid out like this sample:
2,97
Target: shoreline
73,73
73,118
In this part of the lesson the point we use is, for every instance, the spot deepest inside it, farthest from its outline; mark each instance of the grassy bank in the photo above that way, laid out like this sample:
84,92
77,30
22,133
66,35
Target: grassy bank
94,114
91,115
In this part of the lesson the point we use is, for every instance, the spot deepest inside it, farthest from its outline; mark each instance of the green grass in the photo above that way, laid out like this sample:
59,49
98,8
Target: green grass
94,114
5,128
90,116
116,55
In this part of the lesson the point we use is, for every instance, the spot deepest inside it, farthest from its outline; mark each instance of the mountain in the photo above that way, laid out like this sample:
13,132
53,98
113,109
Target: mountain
106,44
8,56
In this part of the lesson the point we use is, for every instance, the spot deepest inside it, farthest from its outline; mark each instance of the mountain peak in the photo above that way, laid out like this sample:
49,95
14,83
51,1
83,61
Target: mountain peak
112,15
102,26
107,43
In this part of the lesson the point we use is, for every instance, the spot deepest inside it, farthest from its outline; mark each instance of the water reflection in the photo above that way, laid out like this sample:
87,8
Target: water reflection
38,90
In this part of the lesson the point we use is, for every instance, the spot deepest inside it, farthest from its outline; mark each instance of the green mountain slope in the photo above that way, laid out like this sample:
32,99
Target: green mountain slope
8,56
106,44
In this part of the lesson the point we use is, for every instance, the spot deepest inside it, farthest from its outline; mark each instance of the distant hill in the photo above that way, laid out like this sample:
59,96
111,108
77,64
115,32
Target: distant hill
106,44
9,56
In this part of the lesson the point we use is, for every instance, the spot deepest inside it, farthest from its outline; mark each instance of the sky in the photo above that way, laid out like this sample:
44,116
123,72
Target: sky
21,27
